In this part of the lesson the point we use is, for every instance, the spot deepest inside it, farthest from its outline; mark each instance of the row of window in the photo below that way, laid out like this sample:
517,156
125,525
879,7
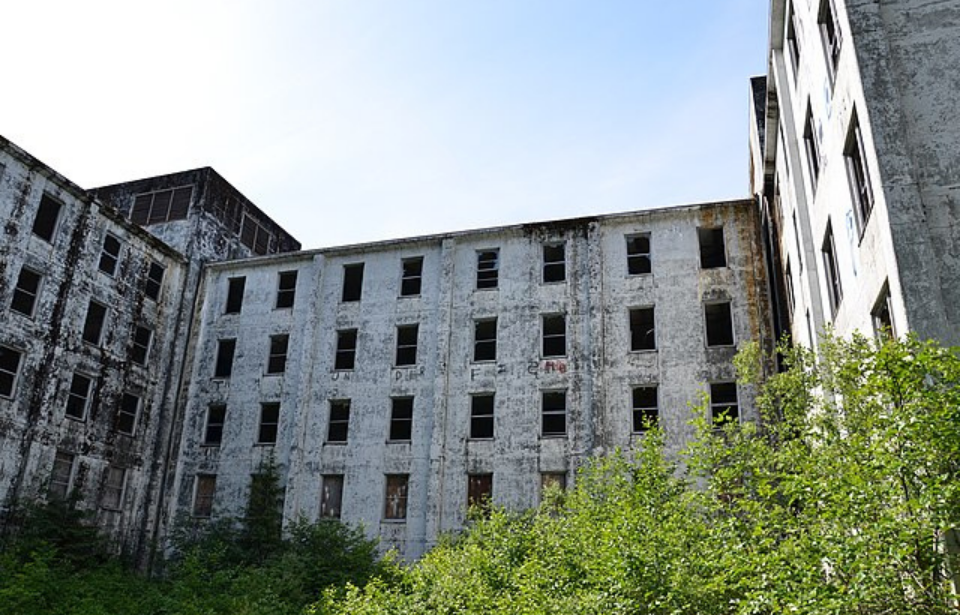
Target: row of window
830,37
64,471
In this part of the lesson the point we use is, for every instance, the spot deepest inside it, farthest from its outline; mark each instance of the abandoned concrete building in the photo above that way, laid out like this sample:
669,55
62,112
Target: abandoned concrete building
160,339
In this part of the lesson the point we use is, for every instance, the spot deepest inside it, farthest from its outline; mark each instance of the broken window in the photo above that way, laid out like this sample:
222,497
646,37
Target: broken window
269,423
554,335
161,206
154,283
10,360
643,332
638,254
61,475
401,418
830,34
346,349
882,314
78,397
225,351
811,142
645,410
411,276
286,289
407,345
793,43
339,426
213,431
488,268
331,496
45,224
395,502
712,250
277,361
93,325
26,292
834,290
205,485
126,421
554,263
719,321
109,254
856,159
554,413
142,336
479,490
723,403
485,339
235,288
481,416
352,282
114,480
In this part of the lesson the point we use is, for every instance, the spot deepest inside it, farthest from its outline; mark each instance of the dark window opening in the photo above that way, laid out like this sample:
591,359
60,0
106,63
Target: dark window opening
61,475
286,289
26,292
555,335
216,417
830,33
45,224
638,254
719,318
331,496
485,340
411,277
204,489
788,281
346,349
554,413
554,263
712,250
78,397
269,423
401,418
811,144
407,345
113,483
127,414
481,416
645,410
154,281
488,269
882,315
9,370
93,325
162,206
395,502
352,282
479,490
255,235
235,288
109,255
793,43
225,351
723,403
856,161
834,290
643,332
277,361
141,345
339,427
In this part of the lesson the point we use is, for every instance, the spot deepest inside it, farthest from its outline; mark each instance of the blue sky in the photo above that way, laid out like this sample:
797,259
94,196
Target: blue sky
359,120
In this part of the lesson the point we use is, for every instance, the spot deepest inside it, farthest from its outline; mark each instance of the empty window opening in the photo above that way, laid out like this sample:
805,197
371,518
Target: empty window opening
401,418
225,352
61,475
93,325
269,423
78,397
286,289
346,349
407,344
554,413
331,496
488,269
811,144
555,335
643,332
140,349
10,360
723,403
45,224
109,254
339,427
213,430
479,490
161,206
552,481
856,161
485,340
830,33
277,361
352,282
882,315
205,486
126,422
26,292
114,480
395,502
712,250
646,412
481,416
788,281
554,263
638,254
719,321
411,277
834,289
235,288
154,283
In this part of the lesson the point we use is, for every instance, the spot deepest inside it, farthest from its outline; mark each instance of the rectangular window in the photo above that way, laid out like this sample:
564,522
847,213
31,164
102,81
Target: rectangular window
479,490
488,269
401,418
225,351
395,502
61,475
481,416
45,224
411,276
93,325
352,282
161,206
140,349
78,398
712,250
834,290
638,254
719,321
645,409
346,349
269,422
205,486
554,335
407,344
723,403
796,237
127,413
485,339
286,289
856,161
830,34
643,330
154,283
788,281
552,480
793,43
114,480
331,496
882,315
109,254
235,288
554,413
26,292
339,427
277,361
811,143
213,431
554,263
10,360
254,235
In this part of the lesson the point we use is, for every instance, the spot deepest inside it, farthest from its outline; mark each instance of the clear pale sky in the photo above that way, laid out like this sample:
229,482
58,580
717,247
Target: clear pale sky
359,120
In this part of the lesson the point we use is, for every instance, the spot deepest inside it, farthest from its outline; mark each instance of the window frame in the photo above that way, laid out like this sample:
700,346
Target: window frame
706,238
831,266
633,315
13,376
214,424
338,415
223,365
490,342
553,337
109,488
268,429
396,510
123,411
204,495
286,289
153,286
637,257
32,296
46,201
831,36
858,174
413,279
483,418
488,269
93,325
811,145
546,412
344,351
138,356
278,349
883,328
553,264
643,414
107,256
479,490
352,288
236,288
401,425
707,305
85,400
57,487
715,405
405,347
326,482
